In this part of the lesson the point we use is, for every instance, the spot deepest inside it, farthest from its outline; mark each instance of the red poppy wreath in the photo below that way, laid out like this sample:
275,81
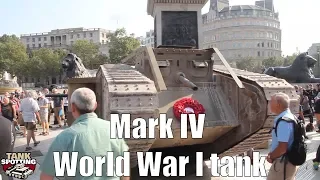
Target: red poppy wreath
187,106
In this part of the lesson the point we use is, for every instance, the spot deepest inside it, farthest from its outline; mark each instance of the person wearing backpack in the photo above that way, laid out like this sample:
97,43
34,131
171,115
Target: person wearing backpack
288,149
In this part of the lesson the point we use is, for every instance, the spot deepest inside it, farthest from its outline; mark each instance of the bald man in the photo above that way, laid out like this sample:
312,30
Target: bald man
83,136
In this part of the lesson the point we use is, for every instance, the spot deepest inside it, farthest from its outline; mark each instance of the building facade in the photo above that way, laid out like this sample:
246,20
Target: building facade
147,40
314,49
64,38
242,31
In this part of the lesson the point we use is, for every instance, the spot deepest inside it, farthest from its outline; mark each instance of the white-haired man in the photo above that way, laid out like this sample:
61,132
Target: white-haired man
43,104
30,113
283,140
88,135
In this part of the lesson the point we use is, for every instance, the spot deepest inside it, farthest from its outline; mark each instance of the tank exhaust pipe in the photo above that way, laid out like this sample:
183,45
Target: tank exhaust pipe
182,79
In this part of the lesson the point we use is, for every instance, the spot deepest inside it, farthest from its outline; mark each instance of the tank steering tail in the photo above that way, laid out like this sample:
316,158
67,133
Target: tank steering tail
182,79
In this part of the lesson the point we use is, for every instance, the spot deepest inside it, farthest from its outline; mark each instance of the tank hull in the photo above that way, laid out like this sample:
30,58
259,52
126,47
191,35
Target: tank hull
236,102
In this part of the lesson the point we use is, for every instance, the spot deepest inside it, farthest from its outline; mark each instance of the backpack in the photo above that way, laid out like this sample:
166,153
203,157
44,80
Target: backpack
298,153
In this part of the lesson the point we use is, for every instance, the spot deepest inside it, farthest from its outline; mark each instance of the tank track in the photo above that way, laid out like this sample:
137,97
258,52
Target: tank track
130,92
267,85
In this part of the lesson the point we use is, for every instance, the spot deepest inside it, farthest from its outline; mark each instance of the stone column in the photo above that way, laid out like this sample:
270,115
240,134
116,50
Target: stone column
177,22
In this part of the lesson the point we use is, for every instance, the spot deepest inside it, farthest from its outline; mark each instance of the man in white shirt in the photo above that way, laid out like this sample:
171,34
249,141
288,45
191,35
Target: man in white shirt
44,104
30,112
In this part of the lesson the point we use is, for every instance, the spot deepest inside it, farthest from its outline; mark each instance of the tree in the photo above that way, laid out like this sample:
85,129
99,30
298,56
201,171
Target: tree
87,51
289,59
12,55
44,62
121,45
246,64
272,62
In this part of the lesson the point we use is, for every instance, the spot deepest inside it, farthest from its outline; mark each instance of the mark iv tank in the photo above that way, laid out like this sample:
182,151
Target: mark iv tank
236,102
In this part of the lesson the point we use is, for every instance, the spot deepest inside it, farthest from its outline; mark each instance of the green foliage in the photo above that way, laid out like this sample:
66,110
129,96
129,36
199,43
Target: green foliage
12,55
248,64
289,59
258,66
87,51
44,62
272,62
121,45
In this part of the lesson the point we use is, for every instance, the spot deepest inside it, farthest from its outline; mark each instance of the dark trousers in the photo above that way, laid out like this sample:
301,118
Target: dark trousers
65,110
309,114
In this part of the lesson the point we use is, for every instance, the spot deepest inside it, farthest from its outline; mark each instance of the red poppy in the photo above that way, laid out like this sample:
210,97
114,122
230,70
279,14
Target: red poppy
187,106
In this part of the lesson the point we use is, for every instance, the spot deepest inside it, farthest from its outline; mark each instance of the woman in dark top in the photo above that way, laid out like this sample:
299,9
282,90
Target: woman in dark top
8,109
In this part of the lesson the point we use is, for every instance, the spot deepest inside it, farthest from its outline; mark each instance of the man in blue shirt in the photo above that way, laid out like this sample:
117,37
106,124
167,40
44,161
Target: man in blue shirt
281,142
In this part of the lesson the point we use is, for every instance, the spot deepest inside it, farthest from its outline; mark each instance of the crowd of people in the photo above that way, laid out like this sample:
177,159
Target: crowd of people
310,105
30,109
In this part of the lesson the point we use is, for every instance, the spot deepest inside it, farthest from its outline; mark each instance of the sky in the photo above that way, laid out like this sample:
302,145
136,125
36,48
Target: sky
299,21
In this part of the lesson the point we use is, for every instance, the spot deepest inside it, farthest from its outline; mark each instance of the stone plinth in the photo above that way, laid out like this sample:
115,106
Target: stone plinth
177,22
74,84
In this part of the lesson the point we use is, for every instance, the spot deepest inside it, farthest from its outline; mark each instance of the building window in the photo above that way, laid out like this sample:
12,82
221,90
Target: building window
84,35
262,44
33,45
258,53
39,45
28,46
102,35
45,38
27,39
33,39
258,45
78,35
91,35
102,41
39,39
71,37
45,44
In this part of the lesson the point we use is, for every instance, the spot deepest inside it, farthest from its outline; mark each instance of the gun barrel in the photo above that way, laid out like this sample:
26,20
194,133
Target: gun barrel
56,95
187,83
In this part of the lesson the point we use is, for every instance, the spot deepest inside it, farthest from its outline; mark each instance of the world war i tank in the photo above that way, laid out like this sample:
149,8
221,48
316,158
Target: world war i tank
150,81
235,101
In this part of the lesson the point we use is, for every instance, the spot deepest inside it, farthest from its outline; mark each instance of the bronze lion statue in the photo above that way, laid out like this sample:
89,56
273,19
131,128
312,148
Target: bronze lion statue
299,72
74,68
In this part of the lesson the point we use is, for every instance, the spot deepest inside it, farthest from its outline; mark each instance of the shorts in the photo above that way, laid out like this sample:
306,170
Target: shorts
44,117
56,111
30,126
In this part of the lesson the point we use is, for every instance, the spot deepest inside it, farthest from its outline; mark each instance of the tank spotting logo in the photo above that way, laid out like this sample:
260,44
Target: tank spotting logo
18,165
